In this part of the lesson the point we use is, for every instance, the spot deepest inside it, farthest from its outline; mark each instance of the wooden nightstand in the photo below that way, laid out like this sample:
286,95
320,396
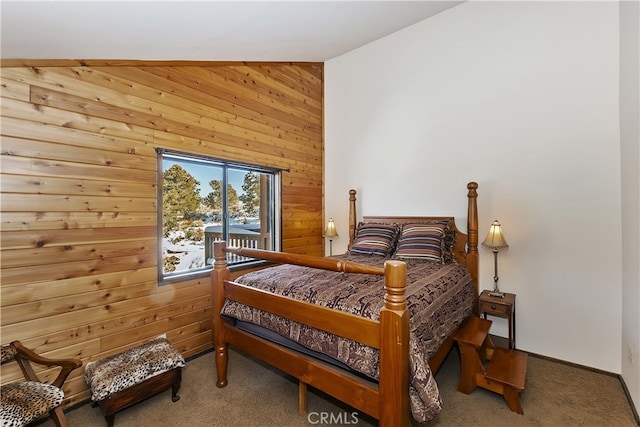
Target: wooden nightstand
500,307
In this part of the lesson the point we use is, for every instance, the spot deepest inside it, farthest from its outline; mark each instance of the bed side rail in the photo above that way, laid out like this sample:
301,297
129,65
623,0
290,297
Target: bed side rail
305,260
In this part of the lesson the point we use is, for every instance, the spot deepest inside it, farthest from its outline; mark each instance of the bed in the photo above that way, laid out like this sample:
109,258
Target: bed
361,326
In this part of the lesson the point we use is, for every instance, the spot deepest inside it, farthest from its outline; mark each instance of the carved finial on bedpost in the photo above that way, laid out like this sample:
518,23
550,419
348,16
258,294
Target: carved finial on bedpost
353,219
395,273
472,233
219,255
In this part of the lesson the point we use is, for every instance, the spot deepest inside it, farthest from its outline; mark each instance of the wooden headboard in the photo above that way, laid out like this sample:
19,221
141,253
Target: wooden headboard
466,247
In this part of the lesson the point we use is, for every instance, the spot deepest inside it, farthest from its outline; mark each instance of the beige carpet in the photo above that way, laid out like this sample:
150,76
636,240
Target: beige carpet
555,395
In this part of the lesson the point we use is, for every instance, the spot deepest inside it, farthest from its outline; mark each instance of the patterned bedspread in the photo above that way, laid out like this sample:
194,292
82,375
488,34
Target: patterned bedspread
439,298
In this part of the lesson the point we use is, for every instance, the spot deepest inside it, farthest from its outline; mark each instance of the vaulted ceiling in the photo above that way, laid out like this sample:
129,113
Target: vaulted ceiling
312,31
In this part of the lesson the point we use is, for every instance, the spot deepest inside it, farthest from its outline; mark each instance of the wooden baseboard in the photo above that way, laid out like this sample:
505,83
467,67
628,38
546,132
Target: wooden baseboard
626,392
575,365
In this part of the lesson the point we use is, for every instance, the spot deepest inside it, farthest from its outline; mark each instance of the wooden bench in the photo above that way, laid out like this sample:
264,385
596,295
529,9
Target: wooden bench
506,370
124,379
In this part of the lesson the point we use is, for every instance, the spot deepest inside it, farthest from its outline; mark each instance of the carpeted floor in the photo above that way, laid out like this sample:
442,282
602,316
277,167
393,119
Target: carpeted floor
555,395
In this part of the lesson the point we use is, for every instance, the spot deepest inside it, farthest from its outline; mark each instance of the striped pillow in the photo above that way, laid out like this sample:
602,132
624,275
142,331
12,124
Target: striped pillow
422,241
375,239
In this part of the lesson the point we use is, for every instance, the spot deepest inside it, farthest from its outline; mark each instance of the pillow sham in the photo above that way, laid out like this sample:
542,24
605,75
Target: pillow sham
375,239
448,244
422,241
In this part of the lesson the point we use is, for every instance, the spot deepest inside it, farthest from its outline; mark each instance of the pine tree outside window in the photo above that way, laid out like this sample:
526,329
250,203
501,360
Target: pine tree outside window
202,200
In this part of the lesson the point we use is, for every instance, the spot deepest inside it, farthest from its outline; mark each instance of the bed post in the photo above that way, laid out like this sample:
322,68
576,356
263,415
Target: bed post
353,219
219,274
472,235
394,348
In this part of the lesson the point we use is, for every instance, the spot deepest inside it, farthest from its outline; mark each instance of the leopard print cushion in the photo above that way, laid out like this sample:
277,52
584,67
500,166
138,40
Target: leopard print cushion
120,371
8,353
24,402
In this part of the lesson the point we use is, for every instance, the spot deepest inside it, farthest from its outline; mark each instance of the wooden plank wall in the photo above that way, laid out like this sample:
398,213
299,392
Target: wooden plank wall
79,202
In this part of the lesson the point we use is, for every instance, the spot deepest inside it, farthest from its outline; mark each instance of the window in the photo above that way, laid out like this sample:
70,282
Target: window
205,199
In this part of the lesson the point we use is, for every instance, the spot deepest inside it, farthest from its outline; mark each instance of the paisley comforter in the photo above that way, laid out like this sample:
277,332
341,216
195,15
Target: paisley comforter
439,298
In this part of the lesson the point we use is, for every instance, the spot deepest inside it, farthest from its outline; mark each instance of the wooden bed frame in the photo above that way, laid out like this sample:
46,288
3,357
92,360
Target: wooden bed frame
388,400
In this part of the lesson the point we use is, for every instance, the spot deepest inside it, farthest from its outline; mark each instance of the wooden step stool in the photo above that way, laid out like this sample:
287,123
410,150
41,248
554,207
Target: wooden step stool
506,371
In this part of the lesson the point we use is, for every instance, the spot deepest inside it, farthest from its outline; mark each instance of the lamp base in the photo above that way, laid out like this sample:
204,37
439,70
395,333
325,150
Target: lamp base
496,294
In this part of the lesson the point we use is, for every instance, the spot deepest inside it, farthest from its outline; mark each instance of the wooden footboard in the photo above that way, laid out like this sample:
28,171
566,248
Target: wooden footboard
388,401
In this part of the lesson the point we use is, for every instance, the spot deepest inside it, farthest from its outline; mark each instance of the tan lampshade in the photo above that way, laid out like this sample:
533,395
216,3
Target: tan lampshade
330,231
495,239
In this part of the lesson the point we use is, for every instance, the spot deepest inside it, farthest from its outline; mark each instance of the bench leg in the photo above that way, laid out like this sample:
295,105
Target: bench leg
176,386
110,419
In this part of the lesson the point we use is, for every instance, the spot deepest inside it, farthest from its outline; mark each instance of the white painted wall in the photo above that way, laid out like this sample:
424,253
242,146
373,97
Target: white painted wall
521,97
630,161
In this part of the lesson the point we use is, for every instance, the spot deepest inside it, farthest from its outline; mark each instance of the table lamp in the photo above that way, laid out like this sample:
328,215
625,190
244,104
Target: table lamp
330,232
496,242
